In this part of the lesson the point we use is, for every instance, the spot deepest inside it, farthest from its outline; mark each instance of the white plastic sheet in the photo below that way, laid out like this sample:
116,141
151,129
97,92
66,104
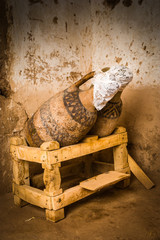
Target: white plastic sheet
107,84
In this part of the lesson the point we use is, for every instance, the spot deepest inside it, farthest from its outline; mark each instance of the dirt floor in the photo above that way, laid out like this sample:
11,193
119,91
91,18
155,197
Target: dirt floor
115,214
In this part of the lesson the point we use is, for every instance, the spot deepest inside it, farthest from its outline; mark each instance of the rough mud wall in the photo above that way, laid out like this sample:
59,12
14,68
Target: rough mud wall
128,33
5,89
12,114
48,45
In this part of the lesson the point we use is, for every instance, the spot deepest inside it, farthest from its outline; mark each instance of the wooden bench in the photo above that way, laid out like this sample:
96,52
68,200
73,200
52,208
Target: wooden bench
53,197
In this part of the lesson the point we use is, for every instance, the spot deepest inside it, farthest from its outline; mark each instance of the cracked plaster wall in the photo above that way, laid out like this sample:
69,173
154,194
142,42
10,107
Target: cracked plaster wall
51,44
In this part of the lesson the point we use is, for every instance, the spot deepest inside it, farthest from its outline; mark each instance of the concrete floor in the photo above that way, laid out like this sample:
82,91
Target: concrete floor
115,214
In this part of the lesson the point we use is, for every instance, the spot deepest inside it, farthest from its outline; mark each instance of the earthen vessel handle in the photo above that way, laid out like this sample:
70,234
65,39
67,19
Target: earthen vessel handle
88,76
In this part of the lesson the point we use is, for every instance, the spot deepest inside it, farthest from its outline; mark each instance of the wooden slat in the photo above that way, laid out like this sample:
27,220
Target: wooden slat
32,195
103,180
70,196
30,154
140,175
81,149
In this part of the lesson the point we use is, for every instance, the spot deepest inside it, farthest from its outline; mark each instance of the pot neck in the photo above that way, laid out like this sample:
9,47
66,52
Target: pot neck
86,98
116,97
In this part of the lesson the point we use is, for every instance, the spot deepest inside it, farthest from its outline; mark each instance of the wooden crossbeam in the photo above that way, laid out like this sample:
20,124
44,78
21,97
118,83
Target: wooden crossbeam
30,154
33,154
82,149
32,195
70,196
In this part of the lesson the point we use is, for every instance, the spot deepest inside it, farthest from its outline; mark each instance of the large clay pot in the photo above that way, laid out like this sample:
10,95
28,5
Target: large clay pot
108,117
66,117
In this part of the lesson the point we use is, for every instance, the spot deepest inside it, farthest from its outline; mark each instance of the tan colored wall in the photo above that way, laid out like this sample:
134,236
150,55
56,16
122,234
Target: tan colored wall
51,44
141,117
129,33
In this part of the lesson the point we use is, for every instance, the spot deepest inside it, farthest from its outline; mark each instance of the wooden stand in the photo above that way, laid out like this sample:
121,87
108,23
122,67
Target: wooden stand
50,155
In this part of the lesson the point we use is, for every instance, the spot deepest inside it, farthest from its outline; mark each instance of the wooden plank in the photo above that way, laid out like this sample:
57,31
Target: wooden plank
81,149
102,166
70,196
30,154
48,146
103,180
139,173
32,195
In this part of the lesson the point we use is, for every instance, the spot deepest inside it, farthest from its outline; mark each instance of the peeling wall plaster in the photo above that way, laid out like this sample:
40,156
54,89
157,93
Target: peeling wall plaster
50,48
128,36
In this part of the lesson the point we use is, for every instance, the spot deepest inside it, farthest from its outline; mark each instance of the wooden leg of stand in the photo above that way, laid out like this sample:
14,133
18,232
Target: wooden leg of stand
55,216
52,181
120,155
20,169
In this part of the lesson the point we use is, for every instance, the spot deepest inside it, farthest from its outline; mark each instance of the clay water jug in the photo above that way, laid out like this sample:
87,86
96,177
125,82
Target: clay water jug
66,117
